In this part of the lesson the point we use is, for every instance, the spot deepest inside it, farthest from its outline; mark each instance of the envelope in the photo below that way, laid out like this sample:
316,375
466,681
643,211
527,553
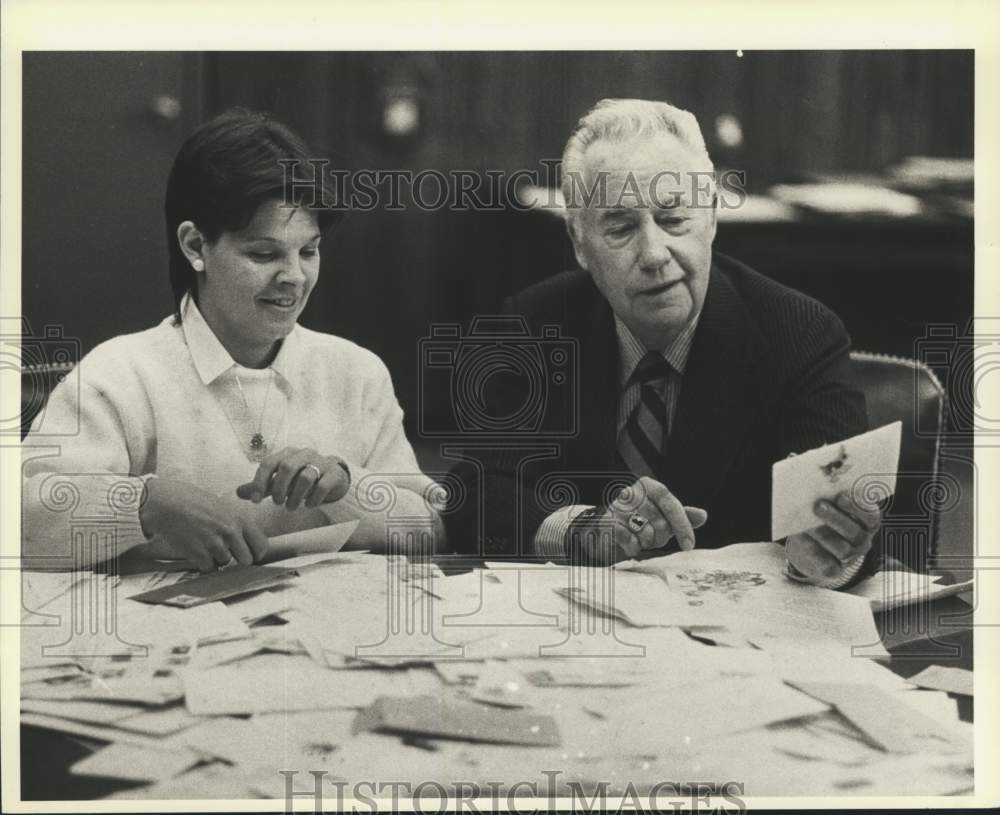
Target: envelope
321,540
215,586
435,717
864,465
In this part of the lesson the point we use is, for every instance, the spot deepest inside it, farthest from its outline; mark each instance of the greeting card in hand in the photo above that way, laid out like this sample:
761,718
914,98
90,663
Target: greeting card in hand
864,466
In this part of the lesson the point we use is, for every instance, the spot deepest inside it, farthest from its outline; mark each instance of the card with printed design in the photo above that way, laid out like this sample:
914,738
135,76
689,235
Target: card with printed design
864,466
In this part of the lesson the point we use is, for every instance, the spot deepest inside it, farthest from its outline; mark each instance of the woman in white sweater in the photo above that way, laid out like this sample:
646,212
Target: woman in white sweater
228,422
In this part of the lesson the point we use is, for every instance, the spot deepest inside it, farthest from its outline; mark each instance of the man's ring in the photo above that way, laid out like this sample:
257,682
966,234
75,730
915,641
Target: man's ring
636,522
319,472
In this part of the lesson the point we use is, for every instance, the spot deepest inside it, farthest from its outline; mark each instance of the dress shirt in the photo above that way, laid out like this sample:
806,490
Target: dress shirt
550,538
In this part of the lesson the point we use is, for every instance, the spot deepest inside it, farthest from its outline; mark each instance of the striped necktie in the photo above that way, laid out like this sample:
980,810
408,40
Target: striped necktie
641,441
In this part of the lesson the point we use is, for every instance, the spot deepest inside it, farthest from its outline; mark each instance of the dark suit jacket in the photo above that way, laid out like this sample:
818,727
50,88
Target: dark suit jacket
768,374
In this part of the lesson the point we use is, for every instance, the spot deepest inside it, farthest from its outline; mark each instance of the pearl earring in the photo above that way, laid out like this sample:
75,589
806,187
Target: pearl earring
198,264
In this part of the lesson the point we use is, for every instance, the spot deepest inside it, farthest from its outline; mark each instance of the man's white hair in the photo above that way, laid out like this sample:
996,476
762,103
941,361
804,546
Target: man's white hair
618,120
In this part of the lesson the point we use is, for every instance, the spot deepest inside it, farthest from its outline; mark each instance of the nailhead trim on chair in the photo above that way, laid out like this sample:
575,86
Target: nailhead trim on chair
916,365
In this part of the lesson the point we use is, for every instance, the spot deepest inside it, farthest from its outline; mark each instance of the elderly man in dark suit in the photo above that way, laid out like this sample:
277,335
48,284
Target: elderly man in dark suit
695,374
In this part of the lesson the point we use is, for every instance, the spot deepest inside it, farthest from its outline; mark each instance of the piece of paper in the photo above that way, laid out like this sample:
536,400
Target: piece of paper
453,672
765,558
893,589
214,781
134,686
274,740
692,717
937,705
807,740
48,673
946,678
163,626
860,465
502,685
234,740
219,653
131,763
162,722
646,600
798,660
909,775
896,726
579,672
253,607
321,540
99,732
741,588
218,585
81,711
273,682
434,716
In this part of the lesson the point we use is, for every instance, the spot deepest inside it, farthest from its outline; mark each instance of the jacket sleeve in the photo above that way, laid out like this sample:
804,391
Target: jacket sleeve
823,403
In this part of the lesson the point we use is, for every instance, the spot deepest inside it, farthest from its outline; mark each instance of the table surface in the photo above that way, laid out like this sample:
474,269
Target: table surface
938,633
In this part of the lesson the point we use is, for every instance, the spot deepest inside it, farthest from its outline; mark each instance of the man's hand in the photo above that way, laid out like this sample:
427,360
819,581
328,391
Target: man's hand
821,554
295,475
645,515
198,527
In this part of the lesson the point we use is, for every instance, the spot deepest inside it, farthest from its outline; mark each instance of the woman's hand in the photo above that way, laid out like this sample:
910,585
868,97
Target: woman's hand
198,527
295,475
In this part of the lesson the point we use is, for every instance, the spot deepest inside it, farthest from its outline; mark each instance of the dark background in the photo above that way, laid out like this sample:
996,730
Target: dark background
96,157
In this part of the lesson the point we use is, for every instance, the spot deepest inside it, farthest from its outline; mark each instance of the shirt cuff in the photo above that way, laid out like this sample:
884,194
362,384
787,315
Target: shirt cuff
550,539
838,582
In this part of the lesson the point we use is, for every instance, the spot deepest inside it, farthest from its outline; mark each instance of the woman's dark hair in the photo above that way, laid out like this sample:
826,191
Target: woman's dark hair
225,170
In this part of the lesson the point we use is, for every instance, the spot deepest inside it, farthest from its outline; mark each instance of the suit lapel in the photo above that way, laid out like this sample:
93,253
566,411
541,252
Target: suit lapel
718,397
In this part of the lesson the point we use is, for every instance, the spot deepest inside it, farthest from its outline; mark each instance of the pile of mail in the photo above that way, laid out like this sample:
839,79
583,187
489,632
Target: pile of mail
698,665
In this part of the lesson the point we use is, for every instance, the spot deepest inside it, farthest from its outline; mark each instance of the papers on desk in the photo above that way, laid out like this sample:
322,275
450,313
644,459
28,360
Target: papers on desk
375,667
742,589
893,589
131,763
944,678
864,466
893,725
267,683
285,553
214,586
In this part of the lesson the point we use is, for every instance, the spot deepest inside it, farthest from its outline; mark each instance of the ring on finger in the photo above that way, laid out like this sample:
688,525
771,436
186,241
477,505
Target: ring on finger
636,522
318,471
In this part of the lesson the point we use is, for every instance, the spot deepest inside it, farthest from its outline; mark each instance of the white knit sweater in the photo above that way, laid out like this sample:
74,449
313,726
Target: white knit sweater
165,402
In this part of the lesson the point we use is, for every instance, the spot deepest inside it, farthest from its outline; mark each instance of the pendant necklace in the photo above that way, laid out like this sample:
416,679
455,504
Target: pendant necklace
258,446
